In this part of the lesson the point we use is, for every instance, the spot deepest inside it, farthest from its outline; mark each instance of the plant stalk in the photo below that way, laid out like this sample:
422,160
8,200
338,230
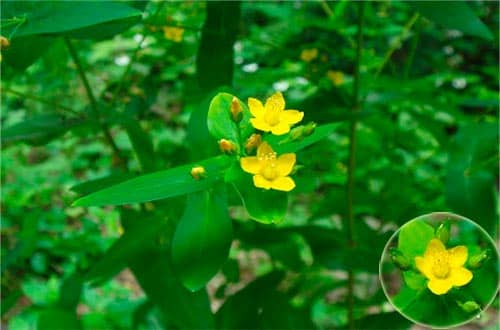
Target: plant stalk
352,163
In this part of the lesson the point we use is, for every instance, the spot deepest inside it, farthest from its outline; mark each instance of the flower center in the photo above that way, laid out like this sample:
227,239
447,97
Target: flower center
272,117
269,169
441,266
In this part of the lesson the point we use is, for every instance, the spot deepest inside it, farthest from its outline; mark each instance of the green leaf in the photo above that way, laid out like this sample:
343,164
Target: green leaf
88,187
202,239
471,171
214,61
219,121
415,280
455,15
64,18
159,185
25,51
142,144
266,206
414,237
39,130
58,318
126,248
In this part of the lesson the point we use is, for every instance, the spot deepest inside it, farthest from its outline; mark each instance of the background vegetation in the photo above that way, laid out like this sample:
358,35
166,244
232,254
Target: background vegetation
94,93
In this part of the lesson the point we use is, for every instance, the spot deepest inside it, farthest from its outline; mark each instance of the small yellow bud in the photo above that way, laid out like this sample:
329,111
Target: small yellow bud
236,110
4,42
227,146
173,33
198,172
253,142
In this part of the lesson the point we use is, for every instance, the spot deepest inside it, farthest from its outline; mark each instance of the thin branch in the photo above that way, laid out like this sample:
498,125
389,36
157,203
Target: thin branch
352,163
40,100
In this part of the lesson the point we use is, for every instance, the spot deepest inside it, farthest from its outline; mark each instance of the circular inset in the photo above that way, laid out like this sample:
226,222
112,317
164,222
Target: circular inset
440,270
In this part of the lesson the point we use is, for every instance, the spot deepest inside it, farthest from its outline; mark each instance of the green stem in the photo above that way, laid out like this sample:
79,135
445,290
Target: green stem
413,50
93,101
352,163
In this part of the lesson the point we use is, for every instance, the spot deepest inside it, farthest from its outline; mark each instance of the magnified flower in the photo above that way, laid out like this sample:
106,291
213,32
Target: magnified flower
444,268
270,172
273,117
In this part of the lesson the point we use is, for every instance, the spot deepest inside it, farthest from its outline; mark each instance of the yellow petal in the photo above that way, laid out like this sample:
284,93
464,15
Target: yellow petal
250,164
434,247
285,164
280,129
291,117
438,286
260,123
458,256
275,102
460,276
283,183
264,150
424,266
260,182
256,107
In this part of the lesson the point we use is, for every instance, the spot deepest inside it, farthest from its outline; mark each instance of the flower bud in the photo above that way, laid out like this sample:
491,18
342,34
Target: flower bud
399,259
443,232
297,133
227,146
253,142
4,42
309,128
236,110
478,259
469,306
198,172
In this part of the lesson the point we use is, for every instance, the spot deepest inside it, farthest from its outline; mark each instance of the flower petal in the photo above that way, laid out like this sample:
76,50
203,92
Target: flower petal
250,164
280,129
460,276
283,183
264,150
285,164
291,117
439,286
424,266
256,107
260,123
260,182
458,256
434,247
275,102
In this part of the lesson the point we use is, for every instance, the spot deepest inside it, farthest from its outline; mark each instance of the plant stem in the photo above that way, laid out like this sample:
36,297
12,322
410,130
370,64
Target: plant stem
93,102
352,163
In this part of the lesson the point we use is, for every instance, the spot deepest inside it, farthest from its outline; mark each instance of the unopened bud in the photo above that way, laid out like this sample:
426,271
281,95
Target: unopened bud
297,133
443,232
478,259
399,259
198,172
253,142
4,42
469,306
309,128
236,110
227,146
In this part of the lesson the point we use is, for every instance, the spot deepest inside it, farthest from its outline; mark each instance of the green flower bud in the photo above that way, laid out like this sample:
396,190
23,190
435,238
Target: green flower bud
478,259
309,128
443,232
469,306
399,259
297,133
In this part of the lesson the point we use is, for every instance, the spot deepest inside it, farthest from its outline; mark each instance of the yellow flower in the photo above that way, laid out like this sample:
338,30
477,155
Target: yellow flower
336,77
198,172
173,33
444,268
307,55
273,117
270,172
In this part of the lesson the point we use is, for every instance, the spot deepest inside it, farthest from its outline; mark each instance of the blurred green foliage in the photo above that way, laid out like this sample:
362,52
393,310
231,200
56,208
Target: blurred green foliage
427,140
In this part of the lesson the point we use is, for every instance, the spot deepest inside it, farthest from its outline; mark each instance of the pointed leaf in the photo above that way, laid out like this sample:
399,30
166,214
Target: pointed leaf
159,185
202,239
